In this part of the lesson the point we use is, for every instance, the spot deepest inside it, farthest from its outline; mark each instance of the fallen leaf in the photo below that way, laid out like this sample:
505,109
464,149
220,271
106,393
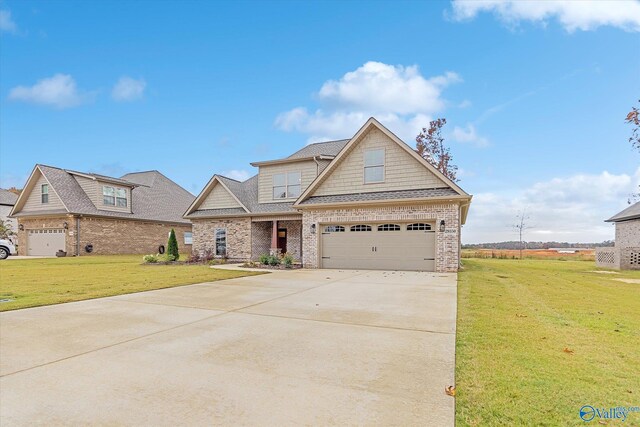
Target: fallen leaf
602,422
521,315
568,350
629,391
450,390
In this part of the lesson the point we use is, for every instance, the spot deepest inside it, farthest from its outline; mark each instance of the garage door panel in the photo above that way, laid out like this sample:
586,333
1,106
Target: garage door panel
45,242
379,250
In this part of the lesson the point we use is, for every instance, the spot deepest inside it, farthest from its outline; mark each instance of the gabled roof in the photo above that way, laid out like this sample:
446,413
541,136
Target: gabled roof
632,212
321,150
154,196
372,122
7,198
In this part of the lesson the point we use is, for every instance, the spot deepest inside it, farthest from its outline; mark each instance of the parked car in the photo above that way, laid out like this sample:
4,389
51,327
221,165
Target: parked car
7,248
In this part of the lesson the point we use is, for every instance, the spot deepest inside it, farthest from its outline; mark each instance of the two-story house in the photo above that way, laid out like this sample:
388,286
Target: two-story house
85,213
369,202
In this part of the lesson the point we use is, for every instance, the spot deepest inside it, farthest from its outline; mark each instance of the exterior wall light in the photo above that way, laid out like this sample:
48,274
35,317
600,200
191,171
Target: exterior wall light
65,225
442,225
313,229
21,227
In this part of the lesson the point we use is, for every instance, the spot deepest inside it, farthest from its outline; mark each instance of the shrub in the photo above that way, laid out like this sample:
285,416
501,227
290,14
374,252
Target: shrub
264,259
172,246
168,258
287,260
274,260
150,259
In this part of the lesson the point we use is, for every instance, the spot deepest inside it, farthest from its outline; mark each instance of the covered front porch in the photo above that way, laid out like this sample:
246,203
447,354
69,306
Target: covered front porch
276,235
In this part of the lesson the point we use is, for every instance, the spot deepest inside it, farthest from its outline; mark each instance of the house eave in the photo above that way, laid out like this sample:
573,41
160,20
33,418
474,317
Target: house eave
295,160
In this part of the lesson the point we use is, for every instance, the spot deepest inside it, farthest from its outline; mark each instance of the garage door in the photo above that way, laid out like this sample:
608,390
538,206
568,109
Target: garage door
389,246
45,242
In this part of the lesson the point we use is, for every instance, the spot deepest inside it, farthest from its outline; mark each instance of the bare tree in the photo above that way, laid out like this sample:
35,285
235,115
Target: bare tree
522,225
633,118
430,146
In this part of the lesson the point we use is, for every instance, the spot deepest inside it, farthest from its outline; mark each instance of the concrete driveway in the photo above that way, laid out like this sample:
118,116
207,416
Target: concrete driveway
323,347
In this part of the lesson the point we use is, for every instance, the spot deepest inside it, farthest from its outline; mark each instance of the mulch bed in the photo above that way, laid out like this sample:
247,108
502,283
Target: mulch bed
272,267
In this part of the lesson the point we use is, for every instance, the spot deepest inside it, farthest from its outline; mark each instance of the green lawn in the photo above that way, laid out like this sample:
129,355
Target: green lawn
515,320
43,281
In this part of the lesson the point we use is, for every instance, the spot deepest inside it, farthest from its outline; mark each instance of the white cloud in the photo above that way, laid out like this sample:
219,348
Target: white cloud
400,97
569,209
128,89
237,174
468,135
59,91
574,15
6,23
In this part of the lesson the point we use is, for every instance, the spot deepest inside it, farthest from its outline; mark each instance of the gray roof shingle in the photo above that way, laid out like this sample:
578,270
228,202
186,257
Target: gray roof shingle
328,148
7,198
155,197
383,195
632,212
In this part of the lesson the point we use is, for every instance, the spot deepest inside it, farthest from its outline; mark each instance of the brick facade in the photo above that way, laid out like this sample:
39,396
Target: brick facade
447,243
238,236
108,236
628,244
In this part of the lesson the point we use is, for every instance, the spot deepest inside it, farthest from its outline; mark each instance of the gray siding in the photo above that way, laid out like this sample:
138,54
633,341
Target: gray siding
34,201
218,198
308,169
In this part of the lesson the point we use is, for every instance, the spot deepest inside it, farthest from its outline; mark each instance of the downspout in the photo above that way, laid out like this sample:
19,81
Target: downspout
77,235
317,166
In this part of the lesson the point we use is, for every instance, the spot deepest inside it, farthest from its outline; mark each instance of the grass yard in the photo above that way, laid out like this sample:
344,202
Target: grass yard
515,320
45,281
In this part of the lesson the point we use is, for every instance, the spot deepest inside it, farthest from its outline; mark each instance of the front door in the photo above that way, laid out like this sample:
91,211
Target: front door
282,240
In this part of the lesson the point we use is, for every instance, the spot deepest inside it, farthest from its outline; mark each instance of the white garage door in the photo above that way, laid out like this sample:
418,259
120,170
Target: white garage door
45,242
389,246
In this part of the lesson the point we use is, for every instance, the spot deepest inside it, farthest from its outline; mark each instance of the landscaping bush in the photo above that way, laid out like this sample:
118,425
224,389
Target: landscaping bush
168,258
264,259
150,259
273,260
287,260
172,246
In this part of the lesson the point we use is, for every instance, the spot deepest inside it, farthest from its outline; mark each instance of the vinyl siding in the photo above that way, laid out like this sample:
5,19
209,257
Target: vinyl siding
402,171
99,202
88,186
308,170
219,198
34,201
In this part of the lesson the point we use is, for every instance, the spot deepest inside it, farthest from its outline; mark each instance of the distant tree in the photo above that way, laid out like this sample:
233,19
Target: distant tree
521,226
15,190
6,231
430,146
633,118
172,246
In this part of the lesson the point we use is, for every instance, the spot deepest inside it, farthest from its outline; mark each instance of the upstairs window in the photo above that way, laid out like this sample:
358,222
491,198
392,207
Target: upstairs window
389,227
287,185
112,196
360,227
44,193
374,166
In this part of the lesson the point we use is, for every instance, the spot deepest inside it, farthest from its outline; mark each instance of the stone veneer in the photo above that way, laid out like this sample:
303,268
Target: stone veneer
238,236
108,236
261,237
628,244
447,243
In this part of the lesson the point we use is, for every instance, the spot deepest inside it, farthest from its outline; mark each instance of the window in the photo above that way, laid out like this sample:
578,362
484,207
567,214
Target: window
420,226
389,227
360,227
334,229
221,241
374,166
287,185
112,196
44,193
188,238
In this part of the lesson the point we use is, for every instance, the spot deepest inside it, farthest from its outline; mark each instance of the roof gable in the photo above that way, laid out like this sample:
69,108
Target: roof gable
632,212
217,195
404,168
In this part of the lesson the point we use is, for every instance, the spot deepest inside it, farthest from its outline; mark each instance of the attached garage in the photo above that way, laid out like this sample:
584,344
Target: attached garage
377,246
45,242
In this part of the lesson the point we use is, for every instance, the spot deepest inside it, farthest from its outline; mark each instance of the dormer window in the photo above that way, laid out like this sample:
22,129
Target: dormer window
113,196
44,193
287,185
374,166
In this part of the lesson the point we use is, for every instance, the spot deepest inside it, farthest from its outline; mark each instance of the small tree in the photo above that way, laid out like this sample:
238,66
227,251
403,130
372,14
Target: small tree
172,246
6,232
521,226
430,146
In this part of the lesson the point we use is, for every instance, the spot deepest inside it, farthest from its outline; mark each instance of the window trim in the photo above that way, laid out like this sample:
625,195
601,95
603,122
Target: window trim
334,229
215,237
358,228
286,185
419,226
115,197
188,237
43,199
365,167
389,227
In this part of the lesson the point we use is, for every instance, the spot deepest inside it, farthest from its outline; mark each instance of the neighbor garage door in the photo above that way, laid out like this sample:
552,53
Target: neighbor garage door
45,242
389,246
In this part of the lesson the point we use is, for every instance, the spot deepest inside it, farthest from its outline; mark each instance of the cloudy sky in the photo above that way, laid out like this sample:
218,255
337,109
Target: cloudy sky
535,94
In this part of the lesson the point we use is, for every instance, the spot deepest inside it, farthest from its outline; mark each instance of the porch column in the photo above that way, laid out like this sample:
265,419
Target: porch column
274,237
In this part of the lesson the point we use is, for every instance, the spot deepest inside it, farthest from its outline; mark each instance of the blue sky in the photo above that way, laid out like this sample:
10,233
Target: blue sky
535,94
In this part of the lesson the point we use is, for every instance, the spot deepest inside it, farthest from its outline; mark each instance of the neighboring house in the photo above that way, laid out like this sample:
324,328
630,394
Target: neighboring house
625,255
85,213
369,202
7,201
